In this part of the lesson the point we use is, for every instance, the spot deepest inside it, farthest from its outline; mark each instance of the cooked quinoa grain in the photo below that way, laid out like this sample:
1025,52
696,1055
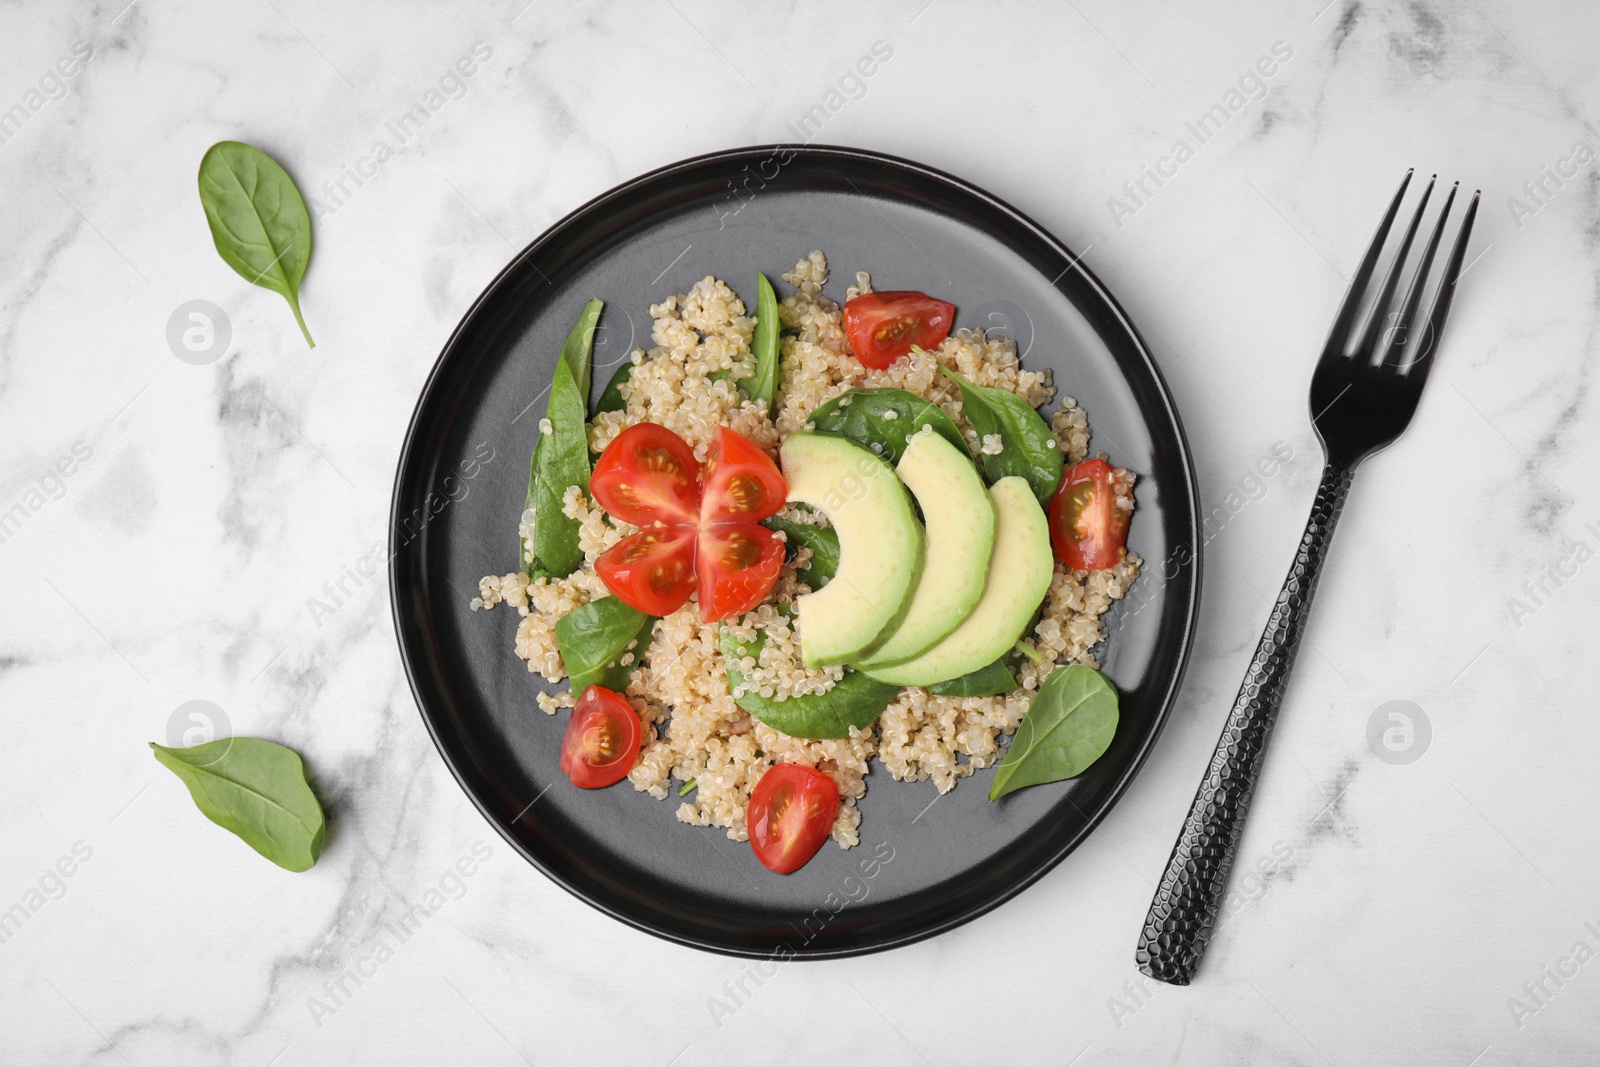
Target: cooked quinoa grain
693,729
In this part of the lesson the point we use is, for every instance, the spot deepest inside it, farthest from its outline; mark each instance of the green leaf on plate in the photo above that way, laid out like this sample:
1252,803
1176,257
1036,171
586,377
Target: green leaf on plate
611,397
763,384
988,681
885,417
593,637
1028,448
1069,726
561,457
823,542
855,700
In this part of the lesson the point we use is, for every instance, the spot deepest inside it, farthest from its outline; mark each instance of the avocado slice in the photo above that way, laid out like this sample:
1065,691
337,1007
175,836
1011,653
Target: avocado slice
1020,571
960,522
880,546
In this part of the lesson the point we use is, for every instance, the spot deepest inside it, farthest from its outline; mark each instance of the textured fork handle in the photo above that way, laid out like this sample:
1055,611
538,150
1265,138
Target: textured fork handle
1184,910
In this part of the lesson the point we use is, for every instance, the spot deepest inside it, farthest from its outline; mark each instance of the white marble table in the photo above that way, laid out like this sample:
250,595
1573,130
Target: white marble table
1438,911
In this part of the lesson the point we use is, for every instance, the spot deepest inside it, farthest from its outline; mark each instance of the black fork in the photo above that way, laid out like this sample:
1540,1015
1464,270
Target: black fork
1363,394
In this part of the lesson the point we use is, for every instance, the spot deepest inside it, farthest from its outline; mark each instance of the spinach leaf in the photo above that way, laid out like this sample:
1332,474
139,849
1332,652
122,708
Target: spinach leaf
855,701
258,220
1069,726
257,790
618,675
1028,448
863,415
611,398
593,637
763,384
988,681
821,540
561,457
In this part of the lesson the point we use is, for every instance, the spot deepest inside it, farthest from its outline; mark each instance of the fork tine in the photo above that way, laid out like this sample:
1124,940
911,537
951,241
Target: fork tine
1401,338
1377,319
1358,285
1447,291
1416,371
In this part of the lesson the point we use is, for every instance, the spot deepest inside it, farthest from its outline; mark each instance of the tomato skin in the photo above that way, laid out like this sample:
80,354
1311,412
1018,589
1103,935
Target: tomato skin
791,814
740,482
652,570
1087,529
601,744
648,474
737,564
697,522
884,326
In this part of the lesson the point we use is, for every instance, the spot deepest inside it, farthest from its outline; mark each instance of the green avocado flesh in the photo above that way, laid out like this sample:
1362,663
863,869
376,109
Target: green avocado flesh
880,546
960,522
1020,570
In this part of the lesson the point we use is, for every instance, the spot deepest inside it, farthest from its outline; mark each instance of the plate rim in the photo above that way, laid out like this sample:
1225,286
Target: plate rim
1190,589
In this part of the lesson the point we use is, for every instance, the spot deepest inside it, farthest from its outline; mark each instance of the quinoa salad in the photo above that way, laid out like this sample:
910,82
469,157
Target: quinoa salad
691,681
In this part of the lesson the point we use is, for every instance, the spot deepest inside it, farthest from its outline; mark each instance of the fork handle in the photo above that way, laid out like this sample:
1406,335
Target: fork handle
1184,911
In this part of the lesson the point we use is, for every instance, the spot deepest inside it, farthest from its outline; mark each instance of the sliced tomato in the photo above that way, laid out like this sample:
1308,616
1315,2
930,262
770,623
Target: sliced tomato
601,744
696,521
648,474
741,483
883,326
791,814
1087,528
737,565
652,570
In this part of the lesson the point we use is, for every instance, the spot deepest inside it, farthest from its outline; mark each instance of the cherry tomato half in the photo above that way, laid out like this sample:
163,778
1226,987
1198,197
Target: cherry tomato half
741,483
1087,527
884,326
601,744
737,565
651,571
648,474
791,814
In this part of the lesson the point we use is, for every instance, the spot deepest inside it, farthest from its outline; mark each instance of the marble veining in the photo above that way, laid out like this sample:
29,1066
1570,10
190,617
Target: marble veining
1390,904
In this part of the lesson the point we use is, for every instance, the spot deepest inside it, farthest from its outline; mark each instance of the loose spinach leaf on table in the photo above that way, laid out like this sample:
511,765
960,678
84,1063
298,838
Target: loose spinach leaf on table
593,637
258,220
821,540
988,681
855,700
1028,447
763,384
257,790
1069,726
863,415
561,457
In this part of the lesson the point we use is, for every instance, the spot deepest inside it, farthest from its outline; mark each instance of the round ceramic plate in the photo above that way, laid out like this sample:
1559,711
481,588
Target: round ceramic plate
926,863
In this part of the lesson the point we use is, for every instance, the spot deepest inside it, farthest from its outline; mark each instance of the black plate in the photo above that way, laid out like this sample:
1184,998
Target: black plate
463,473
